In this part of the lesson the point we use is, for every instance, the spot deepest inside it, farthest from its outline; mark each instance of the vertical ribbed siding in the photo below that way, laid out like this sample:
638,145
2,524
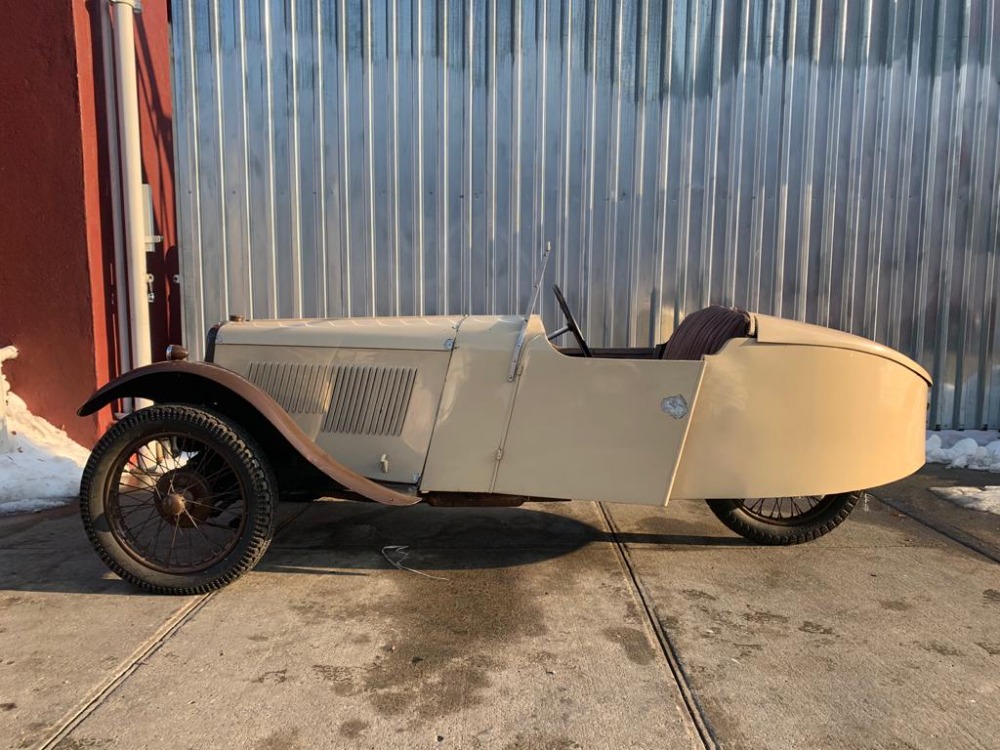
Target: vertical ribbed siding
832,161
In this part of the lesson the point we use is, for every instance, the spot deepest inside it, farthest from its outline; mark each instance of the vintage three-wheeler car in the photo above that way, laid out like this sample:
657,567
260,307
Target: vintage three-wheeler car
779,425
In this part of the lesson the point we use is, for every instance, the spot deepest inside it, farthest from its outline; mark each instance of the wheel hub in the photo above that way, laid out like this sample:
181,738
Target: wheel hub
173,504
183,497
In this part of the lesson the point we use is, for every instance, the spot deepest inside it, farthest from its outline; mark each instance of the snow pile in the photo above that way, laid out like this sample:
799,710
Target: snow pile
7,352
968,449
977,498
43,468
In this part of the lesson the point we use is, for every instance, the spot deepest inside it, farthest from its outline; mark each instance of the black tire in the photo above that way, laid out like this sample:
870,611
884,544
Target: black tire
807,518
124,498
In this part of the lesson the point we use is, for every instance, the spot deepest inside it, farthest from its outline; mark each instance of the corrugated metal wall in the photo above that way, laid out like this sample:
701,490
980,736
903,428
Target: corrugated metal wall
830,161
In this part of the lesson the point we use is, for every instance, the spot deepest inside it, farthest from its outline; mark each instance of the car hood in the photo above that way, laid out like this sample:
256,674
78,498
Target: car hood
433,333
771,330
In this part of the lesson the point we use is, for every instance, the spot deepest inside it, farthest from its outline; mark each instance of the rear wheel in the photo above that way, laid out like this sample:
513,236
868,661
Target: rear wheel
785,520
178,500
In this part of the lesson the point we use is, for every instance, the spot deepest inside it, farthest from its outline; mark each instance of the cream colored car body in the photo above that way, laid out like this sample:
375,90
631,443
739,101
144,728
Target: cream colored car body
452,405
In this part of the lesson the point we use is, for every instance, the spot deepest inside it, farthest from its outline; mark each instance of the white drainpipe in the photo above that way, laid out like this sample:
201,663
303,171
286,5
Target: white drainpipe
115,177
131,165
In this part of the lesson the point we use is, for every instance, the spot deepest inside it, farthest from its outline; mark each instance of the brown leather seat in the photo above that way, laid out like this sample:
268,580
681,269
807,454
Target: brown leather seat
705,331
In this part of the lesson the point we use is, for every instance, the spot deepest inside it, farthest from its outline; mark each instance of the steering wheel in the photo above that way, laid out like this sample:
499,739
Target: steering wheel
571,326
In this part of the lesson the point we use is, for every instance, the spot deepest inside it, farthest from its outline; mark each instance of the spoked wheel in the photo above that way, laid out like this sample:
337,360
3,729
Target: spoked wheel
785,520
178,500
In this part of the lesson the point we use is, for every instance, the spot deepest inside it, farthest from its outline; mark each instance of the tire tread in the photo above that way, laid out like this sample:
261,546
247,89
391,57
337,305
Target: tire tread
262,482
732,515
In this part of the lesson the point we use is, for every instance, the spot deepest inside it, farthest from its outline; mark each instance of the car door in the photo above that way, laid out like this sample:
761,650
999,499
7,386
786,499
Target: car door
596,429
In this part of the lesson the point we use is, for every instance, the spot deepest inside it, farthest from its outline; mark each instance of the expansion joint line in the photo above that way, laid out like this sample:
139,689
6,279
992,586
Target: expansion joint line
692,707
956,535
101,693
79,713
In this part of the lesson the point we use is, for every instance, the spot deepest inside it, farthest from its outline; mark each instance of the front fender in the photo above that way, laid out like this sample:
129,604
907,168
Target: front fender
215,387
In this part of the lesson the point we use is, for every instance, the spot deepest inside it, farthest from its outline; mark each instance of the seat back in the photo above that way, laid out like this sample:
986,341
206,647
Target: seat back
704,332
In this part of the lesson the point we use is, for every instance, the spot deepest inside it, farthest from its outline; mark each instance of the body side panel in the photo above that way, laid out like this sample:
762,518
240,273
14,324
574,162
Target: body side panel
787,419
597,429
475,407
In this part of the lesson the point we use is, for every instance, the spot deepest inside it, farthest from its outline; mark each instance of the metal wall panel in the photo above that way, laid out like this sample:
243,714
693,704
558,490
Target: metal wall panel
831,161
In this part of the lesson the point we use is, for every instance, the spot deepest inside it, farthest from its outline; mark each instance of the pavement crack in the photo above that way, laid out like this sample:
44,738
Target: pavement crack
693,709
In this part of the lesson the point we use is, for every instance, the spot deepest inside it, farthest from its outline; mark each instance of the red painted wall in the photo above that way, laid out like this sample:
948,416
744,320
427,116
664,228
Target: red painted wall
57,301
52,257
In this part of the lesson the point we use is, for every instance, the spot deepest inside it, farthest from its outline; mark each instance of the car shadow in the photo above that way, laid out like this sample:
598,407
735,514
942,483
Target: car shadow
349,538
49,552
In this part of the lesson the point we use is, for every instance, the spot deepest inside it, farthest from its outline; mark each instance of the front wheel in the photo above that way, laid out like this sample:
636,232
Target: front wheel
178,500
785,520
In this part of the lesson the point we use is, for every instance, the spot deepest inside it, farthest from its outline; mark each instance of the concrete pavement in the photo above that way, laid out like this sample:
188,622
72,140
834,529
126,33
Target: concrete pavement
549,626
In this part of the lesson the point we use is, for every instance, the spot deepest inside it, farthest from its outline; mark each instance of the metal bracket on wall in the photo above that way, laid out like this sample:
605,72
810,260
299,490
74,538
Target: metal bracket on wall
152,239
